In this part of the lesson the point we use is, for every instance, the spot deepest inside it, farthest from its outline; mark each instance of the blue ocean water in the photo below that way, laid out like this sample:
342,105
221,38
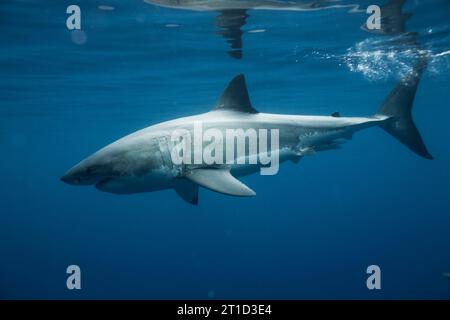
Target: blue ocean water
312,229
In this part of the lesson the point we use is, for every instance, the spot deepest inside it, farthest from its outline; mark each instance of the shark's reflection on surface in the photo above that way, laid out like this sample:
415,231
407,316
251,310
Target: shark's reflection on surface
393,19
232,14
230,23
389,51
393,24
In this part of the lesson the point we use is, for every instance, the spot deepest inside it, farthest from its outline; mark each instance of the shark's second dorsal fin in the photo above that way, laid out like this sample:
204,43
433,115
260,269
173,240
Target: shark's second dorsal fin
235,97
336,114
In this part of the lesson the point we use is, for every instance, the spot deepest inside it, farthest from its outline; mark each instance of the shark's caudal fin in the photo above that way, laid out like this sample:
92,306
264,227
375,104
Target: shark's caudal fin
398,107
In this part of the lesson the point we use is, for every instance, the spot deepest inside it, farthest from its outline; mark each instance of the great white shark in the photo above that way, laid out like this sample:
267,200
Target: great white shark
143,162
233,13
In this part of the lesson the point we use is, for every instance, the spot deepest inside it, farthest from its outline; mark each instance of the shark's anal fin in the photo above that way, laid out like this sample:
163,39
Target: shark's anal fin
235,97
220,180
187,190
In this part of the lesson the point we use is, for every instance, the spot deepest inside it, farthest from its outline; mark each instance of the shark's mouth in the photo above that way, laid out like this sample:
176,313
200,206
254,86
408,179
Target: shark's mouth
102,184
113,185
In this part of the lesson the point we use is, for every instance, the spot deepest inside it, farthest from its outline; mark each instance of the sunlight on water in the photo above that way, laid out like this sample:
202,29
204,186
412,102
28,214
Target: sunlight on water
377,63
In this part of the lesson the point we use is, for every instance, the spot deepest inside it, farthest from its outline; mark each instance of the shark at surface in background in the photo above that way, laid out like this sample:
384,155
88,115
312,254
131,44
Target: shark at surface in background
233,13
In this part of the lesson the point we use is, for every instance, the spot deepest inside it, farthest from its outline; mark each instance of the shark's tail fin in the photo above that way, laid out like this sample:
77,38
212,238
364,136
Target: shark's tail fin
398,108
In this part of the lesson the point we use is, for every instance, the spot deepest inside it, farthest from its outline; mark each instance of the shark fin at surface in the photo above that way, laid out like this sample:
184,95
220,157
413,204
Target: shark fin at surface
235,97
220,180
187,190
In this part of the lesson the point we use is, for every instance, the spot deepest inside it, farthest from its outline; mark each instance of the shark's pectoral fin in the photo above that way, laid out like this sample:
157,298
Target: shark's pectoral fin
187,190
220,180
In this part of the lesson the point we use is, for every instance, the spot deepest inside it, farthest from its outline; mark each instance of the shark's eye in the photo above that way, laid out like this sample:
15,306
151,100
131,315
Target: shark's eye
89,170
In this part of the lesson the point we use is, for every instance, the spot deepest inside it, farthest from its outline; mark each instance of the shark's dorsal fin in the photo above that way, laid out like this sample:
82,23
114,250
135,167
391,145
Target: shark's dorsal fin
220,180
235,97
336,114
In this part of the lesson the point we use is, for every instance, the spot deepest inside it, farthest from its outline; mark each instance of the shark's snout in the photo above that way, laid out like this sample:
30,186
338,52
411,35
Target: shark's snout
66,178
80,175
76,176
